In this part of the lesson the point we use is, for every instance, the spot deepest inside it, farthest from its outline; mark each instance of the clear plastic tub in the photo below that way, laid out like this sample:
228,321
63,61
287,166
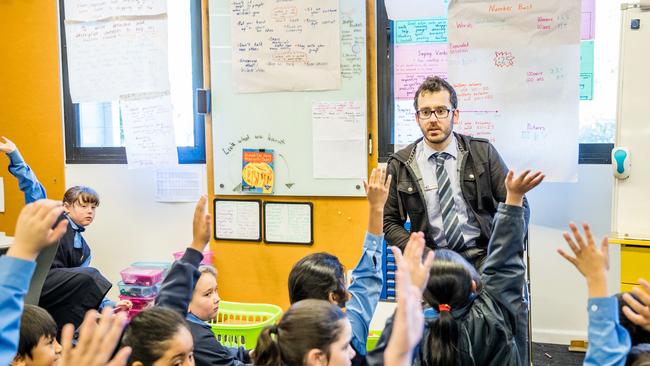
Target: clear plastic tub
208,257
139,303
141,276
138,291
165,266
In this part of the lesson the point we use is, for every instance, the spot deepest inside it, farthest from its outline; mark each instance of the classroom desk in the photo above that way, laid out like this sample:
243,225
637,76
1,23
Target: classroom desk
635,258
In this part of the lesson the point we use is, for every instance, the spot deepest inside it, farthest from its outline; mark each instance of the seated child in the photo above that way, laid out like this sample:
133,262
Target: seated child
38,344
191,291
465,326
321,275
71,287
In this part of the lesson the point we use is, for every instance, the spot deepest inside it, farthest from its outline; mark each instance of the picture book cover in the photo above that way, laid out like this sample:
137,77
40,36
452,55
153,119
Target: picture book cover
257,171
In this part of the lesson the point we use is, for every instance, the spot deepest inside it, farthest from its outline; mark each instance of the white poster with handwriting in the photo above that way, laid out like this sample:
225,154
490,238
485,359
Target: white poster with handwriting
515,68
100,9
107,59
339,139
290,45
148,131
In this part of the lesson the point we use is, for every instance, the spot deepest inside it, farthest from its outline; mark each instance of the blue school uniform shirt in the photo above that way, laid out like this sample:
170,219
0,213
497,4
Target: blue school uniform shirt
609,341
27,181
365,289
15,275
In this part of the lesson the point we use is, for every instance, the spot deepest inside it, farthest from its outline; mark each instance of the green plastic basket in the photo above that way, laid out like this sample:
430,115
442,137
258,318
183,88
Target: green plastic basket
240,324
373,338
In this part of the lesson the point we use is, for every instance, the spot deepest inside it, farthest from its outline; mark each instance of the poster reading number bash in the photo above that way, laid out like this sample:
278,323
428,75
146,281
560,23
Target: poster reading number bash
257,171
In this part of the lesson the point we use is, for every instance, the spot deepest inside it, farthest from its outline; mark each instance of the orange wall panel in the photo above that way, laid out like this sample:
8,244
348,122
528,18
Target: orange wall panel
30,97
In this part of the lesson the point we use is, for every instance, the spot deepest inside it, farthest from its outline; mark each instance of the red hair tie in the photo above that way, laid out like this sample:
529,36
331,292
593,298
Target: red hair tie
443,307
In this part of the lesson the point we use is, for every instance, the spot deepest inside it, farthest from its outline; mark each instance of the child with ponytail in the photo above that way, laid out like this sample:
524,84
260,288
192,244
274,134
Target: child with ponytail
470,320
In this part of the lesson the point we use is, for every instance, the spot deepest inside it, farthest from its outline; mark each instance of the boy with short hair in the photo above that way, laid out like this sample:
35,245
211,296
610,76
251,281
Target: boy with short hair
37,345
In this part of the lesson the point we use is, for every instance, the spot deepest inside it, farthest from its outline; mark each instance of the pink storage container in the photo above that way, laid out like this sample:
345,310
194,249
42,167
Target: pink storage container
139,303
208,257
132,313
141,276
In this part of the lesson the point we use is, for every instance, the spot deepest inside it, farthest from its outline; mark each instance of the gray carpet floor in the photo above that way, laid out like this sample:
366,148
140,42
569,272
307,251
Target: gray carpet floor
545,354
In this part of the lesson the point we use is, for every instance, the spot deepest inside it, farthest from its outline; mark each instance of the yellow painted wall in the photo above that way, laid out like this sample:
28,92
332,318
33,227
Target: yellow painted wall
30,99
258,272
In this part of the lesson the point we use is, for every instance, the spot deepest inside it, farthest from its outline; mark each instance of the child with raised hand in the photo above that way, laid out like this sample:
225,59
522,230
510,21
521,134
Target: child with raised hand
191,291
35,230
322,276
71,286
609,342
465,325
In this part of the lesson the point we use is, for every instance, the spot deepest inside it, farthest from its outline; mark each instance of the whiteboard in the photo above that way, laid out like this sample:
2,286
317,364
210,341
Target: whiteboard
237,220
631,203
281,121
288,222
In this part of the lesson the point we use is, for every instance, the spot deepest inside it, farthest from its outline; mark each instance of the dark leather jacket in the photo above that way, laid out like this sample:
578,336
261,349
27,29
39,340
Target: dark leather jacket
482,174
488,324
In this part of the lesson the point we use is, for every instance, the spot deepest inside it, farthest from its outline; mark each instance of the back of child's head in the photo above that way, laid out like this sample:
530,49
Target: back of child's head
149,333
639,355
81,194
35,323
316,276
307,325
638,335
449,287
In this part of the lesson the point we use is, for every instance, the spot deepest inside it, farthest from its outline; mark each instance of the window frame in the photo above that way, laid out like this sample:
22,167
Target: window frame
77,154
589,153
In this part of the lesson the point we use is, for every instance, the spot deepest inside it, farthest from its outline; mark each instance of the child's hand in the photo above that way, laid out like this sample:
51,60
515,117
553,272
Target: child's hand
412,260
517,187
638,311
7,146
201,226
123,305
34,228
408,325
96,341
377,188
589,259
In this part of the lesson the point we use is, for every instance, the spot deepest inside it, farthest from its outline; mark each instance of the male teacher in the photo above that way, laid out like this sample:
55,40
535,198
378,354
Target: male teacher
449,185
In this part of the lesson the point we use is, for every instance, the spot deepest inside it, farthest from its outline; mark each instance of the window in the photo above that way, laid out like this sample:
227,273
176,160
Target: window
93,131
597,116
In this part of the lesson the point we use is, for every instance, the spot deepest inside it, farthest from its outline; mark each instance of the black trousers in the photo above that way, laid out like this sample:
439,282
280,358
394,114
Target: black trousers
68,293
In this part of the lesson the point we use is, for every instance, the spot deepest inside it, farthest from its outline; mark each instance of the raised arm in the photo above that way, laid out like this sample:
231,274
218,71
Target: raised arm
393,220
27,181
367,277
503,273
498,174
176,290
609,342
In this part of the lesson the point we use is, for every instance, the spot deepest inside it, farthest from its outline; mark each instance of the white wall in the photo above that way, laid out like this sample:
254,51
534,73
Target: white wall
559,295
130,225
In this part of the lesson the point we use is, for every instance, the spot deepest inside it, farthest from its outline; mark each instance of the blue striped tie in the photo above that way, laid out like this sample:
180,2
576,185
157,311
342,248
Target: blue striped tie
453,233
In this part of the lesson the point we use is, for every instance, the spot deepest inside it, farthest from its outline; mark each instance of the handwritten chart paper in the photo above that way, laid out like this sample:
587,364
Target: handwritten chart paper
339,144
414,9
107,59
237,220
290,45
288,223
148,131
513,64
353,47
178,184
588,20
100,9
586,70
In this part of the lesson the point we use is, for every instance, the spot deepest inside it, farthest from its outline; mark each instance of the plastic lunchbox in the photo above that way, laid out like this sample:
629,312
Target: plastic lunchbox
138,291
207,257
165,266
139,303
141,276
